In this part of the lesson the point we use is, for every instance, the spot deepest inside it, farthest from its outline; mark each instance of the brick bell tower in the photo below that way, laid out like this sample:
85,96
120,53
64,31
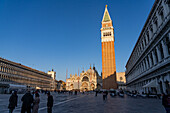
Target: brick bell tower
108,53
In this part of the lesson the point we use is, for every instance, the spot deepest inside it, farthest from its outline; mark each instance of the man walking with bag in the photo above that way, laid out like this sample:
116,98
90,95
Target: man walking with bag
49,103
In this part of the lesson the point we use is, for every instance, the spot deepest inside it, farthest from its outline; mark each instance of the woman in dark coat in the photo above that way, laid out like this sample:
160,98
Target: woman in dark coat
13,101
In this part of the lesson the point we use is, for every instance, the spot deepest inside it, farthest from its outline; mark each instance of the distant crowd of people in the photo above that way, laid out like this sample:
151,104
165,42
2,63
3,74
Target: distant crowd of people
30,102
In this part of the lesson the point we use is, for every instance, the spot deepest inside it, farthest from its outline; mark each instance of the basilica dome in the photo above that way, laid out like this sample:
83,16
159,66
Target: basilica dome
90,71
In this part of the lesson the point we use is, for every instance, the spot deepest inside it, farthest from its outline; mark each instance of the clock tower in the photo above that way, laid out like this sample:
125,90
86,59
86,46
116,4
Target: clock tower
108,52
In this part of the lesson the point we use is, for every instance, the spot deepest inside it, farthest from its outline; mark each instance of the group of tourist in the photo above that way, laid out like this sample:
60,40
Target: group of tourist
30,102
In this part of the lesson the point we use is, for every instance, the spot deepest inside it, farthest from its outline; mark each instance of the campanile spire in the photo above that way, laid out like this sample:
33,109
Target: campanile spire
108,52
106,16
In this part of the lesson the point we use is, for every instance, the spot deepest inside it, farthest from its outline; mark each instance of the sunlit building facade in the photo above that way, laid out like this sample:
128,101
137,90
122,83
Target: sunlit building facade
18,74
148,68
87,81
52,73
108,52
121,80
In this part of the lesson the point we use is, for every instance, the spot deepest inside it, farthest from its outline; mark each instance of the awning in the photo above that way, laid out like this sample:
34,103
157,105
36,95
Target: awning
4,85
17,86
151,84
38,88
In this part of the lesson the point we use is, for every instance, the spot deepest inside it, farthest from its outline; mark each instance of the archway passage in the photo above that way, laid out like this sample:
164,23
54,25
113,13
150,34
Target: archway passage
85,79
85,89
92,86
71,86
84,86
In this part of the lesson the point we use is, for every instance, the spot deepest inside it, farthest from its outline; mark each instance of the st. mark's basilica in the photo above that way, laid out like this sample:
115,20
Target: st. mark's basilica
88,80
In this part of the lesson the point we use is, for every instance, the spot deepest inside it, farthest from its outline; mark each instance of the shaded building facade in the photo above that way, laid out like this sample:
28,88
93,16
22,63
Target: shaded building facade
148,68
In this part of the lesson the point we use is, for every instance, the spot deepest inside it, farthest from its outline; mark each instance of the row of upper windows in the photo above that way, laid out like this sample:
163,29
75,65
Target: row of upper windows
148,34
22,74
152,59
8,78
13,70
107,34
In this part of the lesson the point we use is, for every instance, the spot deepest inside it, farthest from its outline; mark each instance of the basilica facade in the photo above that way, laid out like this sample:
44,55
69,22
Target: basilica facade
87,81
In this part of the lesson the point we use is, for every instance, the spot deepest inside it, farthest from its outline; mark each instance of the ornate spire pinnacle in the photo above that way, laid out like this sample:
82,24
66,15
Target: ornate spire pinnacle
106,16
93,66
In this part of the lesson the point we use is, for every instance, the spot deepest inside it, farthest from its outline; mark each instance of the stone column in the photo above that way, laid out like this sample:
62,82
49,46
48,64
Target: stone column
168,74
141,45
150,61
147,66
154,58
151,33
154,26
158,53
165,48
144,45
164,87
159,19
144,66
147,39
165,7
140,68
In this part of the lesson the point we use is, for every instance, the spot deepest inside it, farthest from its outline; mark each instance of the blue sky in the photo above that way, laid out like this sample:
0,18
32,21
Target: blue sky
65,34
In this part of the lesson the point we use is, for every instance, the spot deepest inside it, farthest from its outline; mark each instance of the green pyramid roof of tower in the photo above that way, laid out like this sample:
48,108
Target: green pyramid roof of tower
106,17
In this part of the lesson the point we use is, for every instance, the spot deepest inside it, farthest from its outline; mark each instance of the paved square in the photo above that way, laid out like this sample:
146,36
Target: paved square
64,103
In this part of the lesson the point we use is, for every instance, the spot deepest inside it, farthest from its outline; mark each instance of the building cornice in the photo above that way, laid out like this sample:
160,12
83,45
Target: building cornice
144,27
23,66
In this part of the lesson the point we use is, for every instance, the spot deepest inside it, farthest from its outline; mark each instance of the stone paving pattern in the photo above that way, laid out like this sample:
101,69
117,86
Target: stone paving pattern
64,103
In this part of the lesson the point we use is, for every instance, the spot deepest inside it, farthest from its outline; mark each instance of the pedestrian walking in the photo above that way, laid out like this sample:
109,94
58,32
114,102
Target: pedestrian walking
27,100
96,93
104,95
166,101
13,101
36,103
49,103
